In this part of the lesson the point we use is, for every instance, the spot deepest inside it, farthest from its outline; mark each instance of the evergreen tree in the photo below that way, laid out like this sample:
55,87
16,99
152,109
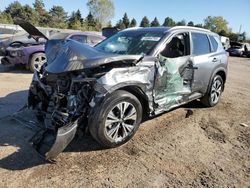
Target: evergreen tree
120,25
155,23
133,23
15,9
125,20
181,23
90,22
168,22
144,22
43,15
5,18
198,25
58,17
190,23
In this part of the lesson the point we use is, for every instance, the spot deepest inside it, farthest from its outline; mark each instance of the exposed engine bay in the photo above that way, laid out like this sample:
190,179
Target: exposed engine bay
63,102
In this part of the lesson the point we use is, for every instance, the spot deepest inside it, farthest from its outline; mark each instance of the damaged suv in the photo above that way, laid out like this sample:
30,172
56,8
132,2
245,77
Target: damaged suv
110,88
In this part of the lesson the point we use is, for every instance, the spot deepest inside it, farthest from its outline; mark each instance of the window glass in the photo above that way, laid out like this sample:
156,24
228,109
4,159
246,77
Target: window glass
131,42
200,44
178,46
79,38
94,39
214,43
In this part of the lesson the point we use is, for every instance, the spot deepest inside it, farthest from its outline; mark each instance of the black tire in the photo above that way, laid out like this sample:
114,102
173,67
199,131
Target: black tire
207,99
34,58
99,116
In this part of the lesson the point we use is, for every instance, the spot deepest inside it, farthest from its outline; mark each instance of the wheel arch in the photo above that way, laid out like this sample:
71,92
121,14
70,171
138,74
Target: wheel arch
35,52
141,96
221,72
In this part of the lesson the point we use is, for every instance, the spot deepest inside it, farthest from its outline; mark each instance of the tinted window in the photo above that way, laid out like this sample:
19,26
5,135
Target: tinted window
214,43
178,46
79,38
200,44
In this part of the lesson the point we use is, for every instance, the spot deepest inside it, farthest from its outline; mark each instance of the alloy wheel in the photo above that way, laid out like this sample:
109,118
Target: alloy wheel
120,121
216,91
39,61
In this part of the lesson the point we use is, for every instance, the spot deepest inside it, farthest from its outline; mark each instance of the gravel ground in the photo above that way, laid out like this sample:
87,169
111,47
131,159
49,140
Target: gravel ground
208,149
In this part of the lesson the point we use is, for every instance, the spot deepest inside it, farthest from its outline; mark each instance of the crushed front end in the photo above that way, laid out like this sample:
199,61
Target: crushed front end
62,102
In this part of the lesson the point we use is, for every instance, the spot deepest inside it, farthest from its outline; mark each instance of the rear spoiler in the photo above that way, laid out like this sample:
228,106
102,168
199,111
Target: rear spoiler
29,28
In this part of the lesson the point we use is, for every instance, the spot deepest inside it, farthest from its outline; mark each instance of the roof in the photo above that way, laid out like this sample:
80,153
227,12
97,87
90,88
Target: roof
167,29
148,29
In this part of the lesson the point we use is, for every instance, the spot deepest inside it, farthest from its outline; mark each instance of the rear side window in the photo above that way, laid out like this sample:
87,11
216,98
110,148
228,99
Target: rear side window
79,38
214,43
200,44
94,40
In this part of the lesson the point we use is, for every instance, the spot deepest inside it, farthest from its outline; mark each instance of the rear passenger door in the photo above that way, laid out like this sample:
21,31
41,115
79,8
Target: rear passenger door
204,58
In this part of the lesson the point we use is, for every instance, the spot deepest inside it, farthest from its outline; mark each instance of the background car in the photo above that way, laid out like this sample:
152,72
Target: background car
31,52
238,49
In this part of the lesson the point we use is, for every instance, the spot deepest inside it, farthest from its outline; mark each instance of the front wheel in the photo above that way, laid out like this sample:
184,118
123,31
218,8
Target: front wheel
213,95
36,61
116,120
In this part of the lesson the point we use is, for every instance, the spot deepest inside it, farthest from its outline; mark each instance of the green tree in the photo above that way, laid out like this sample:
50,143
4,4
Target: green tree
120,24
216,24
198,25
79,15
58,17
168,22
102,10
15,9
43,15
5,18
125,20
90,22
232,36
190,23
181,23
223,33
144,22
29,14
133,23
75,21
155,23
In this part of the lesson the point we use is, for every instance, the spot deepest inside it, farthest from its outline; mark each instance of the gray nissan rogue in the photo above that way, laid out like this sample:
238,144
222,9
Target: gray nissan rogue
109,88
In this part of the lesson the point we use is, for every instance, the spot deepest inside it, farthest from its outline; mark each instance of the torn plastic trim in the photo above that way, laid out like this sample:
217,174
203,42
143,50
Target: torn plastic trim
64,136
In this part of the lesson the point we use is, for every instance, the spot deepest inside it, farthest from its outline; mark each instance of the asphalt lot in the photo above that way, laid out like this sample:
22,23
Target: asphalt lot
211,148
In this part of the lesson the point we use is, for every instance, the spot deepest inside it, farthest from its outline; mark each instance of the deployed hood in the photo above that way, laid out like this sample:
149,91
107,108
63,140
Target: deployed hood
32,30
68,55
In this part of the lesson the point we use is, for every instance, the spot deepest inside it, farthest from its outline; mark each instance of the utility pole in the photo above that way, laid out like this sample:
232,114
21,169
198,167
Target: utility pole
239,34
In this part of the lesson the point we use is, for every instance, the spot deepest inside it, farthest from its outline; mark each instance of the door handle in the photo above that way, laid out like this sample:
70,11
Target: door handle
215,59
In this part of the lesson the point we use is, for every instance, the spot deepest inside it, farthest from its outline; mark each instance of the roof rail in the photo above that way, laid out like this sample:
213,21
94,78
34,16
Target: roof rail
189,27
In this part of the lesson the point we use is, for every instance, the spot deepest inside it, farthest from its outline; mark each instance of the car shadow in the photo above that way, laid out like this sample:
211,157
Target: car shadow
17,69
16,153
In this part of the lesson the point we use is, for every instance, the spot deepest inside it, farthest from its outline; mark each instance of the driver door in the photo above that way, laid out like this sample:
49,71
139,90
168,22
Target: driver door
173,84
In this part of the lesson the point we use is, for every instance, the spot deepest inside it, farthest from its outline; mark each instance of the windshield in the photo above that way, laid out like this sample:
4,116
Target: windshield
132,42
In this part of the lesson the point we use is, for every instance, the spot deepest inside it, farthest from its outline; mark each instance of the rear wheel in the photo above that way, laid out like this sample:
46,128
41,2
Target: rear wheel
36,61
116,120
213,95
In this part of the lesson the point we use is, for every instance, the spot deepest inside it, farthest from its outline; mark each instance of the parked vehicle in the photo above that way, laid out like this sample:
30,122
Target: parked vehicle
239,49
225,42
110,88
32,52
